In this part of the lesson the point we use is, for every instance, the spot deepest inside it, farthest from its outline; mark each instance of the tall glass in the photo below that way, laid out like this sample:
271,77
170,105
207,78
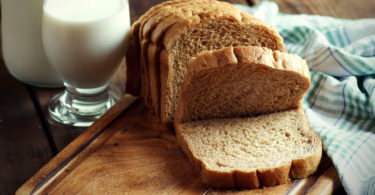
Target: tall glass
85,41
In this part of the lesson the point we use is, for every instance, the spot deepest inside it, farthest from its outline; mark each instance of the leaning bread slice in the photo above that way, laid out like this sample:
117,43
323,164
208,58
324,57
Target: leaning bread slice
190,36
242,81
251,152
216,127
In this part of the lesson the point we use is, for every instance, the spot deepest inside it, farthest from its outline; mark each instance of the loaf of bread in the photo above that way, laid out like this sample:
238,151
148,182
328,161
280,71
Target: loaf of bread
235,98
193,35
160,23
135,72
154,23
216,127
169,34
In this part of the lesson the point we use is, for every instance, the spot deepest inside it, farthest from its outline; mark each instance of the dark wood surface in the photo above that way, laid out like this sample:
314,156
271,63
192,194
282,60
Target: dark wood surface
29,139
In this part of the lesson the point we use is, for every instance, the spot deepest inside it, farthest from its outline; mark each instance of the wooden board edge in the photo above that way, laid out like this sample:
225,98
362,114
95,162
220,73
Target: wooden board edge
77,146
325,181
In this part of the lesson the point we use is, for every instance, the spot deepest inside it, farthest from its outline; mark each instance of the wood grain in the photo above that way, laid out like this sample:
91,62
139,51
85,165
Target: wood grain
77,150
61,135
351,9
24,147
136,155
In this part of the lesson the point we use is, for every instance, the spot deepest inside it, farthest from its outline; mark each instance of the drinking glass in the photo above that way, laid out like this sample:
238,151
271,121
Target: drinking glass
84,41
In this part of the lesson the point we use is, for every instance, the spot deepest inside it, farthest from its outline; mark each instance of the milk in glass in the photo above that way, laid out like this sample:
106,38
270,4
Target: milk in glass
85,40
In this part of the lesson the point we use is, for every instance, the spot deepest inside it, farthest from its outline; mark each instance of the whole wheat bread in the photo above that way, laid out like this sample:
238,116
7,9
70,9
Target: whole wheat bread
250,152
204,32
148,23
242,81
133,84
166,18
141,32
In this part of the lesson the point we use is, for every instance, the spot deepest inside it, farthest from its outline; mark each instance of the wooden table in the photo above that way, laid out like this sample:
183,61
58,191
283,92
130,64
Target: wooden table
29,139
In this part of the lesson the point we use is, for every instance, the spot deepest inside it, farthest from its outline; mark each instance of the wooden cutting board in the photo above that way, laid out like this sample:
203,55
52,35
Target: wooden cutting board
127,151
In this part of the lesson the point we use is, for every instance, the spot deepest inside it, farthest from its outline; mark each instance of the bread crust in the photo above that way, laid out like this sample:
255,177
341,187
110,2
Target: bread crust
136,78
180,27
153,32
307,166
160,14
151,18
233,56
152,29
155,46
164,79
133,67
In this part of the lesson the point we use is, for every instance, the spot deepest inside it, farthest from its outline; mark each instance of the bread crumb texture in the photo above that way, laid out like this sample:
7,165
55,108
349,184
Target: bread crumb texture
211,33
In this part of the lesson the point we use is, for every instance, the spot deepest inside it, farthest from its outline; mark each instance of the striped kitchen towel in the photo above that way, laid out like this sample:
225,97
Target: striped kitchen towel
340,105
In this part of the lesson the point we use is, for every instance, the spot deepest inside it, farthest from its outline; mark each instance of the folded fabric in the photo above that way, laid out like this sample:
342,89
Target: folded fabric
340,105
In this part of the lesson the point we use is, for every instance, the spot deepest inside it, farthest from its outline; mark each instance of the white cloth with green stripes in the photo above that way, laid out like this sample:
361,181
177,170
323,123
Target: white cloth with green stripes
340,105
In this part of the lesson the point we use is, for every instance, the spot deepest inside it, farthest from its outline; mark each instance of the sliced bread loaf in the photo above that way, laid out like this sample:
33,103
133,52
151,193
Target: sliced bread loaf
204,32
250,152
135,79
172,10
155,35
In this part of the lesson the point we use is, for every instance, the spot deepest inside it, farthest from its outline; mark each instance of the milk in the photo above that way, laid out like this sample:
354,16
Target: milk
85,40
22,43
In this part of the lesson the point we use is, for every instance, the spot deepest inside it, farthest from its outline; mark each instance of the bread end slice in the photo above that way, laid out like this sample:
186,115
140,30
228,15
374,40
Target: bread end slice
241,81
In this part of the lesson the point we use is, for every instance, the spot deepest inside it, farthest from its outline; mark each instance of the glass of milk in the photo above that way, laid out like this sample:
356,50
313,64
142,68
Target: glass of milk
84,41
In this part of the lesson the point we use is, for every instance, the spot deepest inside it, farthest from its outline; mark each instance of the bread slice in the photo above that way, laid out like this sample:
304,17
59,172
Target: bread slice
247,151
143,63
194,7
204,32
135,79
251,152
172,11
153,29
242,81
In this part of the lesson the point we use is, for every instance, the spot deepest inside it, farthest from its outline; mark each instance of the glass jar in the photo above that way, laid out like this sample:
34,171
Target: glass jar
22,45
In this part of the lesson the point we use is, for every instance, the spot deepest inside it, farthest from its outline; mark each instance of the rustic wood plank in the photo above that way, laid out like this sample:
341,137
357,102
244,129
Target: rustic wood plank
79,149
351,9
24,147
61,135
